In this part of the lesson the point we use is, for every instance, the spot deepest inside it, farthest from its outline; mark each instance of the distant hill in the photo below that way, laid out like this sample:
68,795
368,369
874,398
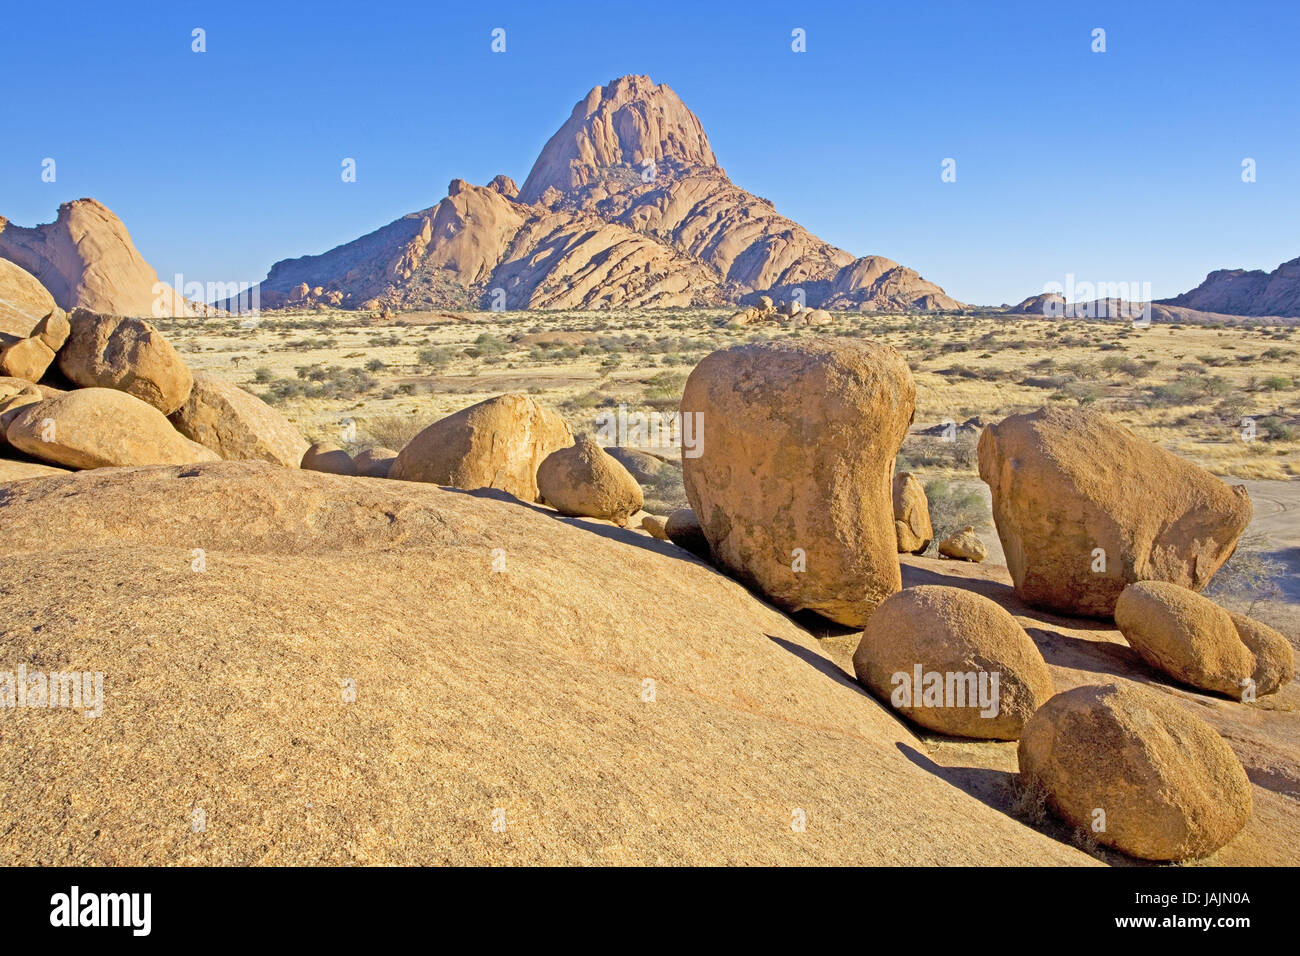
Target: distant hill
1243,292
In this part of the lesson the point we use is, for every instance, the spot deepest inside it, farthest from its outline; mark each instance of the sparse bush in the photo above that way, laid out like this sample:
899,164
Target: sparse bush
434,357
953,507
1250,576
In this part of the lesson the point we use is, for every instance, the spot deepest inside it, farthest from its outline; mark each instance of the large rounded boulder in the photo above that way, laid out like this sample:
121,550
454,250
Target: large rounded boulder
1195,641
1084,507
793,483
911,514
498,443
100,427
953,661
641,465
1135,770
583,480
112,351
374,462
237,425
329,459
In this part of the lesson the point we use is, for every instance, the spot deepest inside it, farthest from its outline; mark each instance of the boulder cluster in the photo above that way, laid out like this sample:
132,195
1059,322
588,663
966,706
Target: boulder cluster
130,400
790,313
794,493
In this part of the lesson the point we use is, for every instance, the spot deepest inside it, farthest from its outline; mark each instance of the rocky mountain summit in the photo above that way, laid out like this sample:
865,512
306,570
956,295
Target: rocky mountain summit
625,206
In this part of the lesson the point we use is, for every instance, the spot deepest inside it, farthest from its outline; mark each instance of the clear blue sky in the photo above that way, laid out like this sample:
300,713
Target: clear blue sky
1115,166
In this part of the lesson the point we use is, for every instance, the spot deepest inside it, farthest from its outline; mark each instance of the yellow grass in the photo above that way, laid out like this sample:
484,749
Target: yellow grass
965,366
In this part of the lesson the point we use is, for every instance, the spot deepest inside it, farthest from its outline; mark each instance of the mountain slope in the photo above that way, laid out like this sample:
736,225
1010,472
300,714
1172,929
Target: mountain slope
625,206
1243,292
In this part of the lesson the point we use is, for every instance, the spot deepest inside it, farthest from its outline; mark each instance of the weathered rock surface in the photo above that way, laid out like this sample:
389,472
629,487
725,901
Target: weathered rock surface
236,424
112,351
583,480
1170,788
911,514
86,259
498,443
963,545
953,661
1084,507
794,484
323,595
1192,639
100,427
329,459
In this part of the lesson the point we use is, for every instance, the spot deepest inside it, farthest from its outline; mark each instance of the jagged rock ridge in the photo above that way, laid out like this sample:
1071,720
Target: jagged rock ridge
1246,292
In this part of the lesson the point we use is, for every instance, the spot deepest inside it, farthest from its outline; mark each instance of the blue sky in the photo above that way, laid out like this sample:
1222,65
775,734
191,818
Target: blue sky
1115,166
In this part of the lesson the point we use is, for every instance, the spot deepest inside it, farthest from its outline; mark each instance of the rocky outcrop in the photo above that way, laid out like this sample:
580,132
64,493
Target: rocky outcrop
877,284
1166,785
1246,292
237,425
628,123
626,206
498,443
953,661
584,481
591,701
100,427
794,484
86,259
1047,304
1193,640
1084,507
